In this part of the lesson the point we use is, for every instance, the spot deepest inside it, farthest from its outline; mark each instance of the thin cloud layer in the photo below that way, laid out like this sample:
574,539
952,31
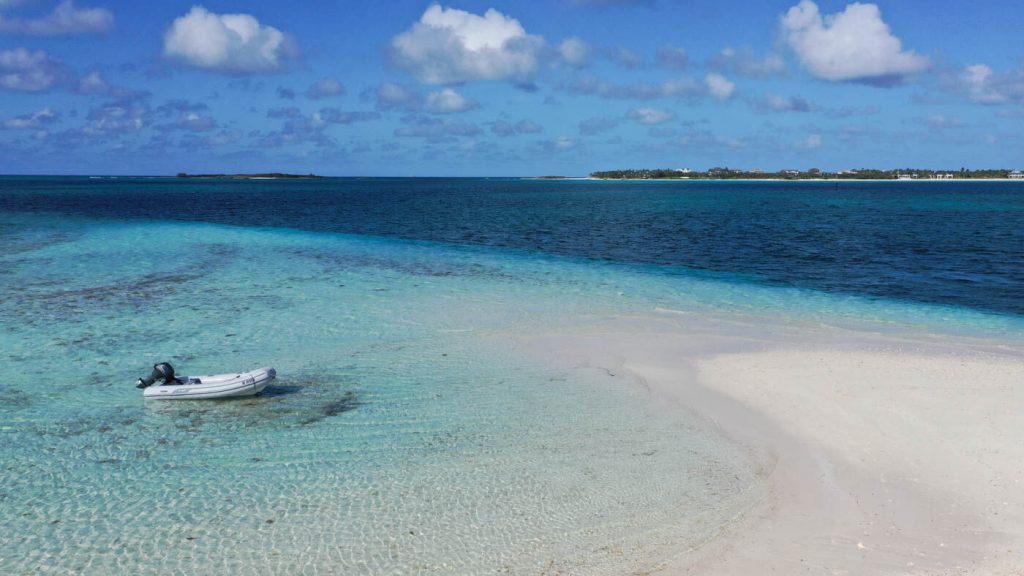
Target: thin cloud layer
650,116
854,45
390,96
673,58
524,126
575,53
335,116
775,103
719,86
448,101
528,127
745,62
557,145
325,88
32,121
191,122
625,57
22,70
436,129
186,116
811,142
93,83
684,87
297,130
226,43
984,85
613,2
597,125
451,46
124,114
65,19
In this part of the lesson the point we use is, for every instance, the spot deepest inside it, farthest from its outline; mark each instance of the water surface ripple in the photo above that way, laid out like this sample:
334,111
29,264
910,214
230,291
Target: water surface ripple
953,243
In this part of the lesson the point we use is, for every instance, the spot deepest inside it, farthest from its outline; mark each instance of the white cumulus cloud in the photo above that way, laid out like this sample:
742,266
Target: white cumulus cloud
448,101
855,45
228,43
450,46
719,86
65,19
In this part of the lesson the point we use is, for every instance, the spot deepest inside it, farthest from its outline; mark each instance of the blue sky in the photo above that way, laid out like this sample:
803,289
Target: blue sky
507,88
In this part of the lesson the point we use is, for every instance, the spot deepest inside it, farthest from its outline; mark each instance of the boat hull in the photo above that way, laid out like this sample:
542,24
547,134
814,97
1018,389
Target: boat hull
214,386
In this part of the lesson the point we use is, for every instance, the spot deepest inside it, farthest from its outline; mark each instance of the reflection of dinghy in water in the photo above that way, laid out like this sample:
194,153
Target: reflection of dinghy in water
201,387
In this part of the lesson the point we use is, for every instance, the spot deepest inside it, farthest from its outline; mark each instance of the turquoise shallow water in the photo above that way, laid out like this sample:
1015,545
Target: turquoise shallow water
398,439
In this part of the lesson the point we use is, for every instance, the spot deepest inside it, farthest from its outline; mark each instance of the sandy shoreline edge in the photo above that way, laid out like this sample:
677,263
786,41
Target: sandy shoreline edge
883,454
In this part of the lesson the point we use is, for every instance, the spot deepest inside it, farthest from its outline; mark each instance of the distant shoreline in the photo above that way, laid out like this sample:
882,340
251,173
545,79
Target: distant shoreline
258,176
814,174
836,180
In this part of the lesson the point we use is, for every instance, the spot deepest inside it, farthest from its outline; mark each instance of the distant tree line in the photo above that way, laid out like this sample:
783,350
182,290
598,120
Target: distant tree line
725,173
269,175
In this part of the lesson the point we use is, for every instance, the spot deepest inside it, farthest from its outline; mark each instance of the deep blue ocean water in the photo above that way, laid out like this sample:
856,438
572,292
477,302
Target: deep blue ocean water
400,437
953,243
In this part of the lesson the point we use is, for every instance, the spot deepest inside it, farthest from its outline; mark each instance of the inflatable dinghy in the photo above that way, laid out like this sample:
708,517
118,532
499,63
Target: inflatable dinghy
212,386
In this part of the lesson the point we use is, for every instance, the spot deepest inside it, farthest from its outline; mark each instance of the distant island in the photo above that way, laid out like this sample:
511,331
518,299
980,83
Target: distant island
811,174
261,176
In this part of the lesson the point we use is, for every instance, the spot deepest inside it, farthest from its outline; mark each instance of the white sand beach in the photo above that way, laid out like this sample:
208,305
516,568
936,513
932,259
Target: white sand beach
883,453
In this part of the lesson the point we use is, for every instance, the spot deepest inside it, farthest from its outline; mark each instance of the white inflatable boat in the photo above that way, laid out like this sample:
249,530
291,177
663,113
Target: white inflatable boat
213,386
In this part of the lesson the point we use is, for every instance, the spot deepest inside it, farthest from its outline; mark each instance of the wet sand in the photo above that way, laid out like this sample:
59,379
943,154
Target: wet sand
881,453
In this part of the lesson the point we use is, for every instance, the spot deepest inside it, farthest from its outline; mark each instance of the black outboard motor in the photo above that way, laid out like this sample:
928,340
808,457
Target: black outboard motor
162,371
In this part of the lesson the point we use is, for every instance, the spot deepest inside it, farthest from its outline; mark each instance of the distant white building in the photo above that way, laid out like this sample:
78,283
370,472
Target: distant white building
945,176
1016,175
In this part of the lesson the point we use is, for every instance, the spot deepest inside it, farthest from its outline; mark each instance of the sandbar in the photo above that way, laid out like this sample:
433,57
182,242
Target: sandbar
882,452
